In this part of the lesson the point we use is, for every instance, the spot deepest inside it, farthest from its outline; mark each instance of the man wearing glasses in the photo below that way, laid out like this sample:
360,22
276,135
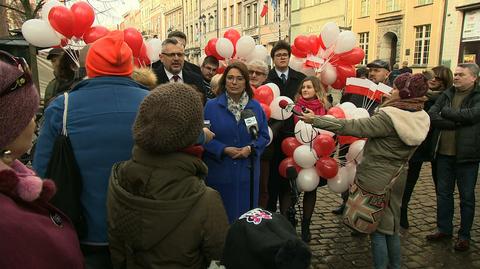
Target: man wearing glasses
288,80
170,67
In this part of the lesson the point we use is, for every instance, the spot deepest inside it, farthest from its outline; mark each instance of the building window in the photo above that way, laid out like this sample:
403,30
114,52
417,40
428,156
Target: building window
225,17
266,15
364,8
363,44
422,44
295,4
285,9
424,2
391,5
231,16
255,15
239,13
247,16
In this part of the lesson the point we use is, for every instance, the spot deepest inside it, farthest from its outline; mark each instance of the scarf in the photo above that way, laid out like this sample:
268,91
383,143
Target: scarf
411,104
237,108
315,104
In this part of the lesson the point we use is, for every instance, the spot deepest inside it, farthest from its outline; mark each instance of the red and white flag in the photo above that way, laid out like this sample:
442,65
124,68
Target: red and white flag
264,11
363,87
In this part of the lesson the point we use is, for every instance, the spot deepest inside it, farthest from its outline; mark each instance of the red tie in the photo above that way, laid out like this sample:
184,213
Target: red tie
176,78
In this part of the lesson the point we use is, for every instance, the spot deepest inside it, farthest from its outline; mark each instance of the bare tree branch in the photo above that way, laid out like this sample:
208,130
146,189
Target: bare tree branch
13,8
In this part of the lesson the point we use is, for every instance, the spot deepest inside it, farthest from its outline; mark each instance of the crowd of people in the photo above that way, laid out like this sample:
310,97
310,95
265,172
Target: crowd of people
174,174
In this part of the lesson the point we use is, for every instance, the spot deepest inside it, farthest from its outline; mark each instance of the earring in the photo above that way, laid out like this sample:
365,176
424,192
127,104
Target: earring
6,156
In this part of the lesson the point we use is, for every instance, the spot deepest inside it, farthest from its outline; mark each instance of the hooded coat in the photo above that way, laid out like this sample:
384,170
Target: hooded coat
161,214
392,136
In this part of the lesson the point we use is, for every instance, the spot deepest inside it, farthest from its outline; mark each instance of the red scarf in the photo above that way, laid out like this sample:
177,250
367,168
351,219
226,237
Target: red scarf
314,104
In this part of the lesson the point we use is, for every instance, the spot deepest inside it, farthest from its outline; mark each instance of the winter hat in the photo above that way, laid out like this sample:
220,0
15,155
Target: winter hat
170,119
18,106
109,56
261,239
411,86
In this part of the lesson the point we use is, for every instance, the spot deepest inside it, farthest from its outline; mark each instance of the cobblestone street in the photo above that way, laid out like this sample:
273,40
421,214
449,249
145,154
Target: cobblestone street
334,247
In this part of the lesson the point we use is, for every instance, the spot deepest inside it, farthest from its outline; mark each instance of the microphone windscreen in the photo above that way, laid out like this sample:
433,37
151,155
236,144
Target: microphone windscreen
283,104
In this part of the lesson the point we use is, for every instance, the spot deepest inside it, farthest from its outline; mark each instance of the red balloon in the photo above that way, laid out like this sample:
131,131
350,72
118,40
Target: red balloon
94,33
221,67
323,145
142,60
263,94
84,17
339,83
207,50
212,48
355,56
289,145
347,140
233,35
134,40
314,44
285,164
343,72
320,42
302,43
298,53
267,110
337,112
61,19
326,167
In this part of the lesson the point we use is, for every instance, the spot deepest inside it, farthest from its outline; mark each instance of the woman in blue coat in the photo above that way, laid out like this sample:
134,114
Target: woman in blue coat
228,154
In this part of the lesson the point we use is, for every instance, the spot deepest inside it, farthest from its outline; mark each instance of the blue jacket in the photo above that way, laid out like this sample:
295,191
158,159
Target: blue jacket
228,176
101,112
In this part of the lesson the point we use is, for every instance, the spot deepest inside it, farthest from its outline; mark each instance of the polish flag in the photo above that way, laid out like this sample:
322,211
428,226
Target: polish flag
264,11
364,87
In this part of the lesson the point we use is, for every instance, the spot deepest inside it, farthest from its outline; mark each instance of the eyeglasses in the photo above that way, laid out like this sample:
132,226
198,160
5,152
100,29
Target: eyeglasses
257,73
281,55
173,54
232,78
22,65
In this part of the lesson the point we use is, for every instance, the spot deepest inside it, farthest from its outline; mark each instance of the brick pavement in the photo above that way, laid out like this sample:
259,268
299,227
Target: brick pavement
333,246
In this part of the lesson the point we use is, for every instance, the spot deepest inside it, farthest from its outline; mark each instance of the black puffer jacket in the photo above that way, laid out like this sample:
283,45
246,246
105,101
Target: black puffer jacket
465,121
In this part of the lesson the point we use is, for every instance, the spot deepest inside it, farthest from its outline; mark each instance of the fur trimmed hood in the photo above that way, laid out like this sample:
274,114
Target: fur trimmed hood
145,76
411,127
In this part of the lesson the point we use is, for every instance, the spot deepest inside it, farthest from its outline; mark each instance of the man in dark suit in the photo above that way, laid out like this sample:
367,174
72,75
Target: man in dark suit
182,38
288,80
170,68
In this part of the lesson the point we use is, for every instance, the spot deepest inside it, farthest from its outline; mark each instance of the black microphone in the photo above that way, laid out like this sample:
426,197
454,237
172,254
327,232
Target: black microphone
251,122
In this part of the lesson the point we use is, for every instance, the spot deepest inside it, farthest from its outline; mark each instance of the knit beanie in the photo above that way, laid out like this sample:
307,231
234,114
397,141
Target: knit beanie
109,56
170,119
411,86
261,239
18,107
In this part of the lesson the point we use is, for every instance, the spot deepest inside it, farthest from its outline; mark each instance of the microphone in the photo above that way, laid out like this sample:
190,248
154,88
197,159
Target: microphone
288,107
250,120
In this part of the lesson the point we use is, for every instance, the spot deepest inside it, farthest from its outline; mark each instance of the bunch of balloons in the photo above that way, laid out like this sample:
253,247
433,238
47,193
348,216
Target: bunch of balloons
314,152
233,46
332,54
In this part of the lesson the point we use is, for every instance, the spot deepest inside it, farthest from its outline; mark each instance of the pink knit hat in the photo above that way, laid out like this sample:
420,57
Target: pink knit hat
18,106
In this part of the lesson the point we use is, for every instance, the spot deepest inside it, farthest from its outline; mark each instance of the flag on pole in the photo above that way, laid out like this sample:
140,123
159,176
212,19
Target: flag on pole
264,11
274,4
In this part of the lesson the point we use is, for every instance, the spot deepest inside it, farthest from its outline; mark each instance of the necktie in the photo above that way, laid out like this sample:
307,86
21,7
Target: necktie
176,78
284,78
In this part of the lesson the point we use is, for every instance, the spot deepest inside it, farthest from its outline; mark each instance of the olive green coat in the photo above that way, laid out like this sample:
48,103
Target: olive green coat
161,214
392,135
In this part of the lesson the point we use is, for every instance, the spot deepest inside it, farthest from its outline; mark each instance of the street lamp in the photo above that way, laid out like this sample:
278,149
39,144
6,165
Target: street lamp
202,19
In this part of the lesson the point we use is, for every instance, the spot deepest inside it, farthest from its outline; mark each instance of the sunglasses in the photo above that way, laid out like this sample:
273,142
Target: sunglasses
257,73
22,65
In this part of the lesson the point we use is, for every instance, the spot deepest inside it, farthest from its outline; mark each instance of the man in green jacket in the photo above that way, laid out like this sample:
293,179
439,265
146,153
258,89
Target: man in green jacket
456,119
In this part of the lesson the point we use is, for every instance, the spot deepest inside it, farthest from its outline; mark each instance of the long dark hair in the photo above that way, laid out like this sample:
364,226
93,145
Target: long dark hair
243,70
444,74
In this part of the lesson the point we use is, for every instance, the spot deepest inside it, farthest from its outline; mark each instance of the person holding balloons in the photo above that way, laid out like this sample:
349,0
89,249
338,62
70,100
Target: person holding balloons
227,155
310,95
393,133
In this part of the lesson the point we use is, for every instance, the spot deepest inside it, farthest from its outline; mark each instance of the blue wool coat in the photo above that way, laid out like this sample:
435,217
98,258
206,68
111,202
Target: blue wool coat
101,112
231,177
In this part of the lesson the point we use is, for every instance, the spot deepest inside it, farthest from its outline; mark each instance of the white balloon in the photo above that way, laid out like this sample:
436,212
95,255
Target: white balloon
275,89
307,179
360,113
308,71
345,42
39,33
329,34
350,172
339,183
349,109
245,46
329,74
154,47
270,134
224,47
355,151
277,112
304,132
296,63
304,156
260,53
47,7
